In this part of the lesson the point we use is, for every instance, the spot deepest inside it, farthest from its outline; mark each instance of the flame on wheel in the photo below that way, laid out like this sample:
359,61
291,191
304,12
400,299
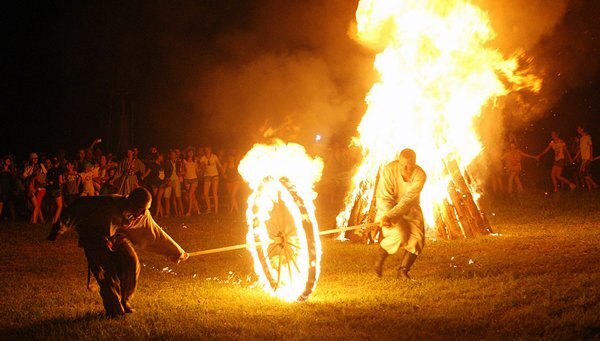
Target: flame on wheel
284,234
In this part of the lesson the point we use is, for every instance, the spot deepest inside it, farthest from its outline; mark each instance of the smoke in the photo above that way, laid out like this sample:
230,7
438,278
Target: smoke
559,37
288,60
296,60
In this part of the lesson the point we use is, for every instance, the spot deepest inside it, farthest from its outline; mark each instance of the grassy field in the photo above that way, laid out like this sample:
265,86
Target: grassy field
540,278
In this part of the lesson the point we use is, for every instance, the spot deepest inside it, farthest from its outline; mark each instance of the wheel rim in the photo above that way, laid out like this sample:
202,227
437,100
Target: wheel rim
287,251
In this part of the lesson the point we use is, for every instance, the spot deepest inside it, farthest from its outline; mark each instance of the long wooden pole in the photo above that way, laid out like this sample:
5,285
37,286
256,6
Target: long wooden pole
243,246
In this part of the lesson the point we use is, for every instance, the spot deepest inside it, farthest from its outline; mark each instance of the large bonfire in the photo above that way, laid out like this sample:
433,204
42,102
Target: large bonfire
437,72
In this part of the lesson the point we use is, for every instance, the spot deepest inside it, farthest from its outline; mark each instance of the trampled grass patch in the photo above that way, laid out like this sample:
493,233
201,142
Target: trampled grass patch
537,279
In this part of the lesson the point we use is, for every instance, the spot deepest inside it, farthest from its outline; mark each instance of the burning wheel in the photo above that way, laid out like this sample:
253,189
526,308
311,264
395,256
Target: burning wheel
286,247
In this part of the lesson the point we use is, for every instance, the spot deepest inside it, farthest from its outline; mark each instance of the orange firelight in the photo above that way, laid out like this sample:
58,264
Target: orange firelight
437,71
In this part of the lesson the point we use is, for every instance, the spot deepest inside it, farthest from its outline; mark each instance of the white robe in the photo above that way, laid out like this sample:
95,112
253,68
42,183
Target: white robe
400,201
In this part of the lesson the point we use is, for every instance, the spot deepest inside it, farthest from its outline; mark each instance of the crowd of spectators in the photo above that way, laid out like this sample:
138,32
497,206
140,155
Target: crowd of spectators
185,181
191,181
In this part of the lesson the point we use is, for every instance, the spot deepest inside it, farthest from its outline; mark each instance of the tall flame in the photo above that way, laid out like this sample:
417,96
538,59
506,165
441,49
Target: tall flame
281,216
437,71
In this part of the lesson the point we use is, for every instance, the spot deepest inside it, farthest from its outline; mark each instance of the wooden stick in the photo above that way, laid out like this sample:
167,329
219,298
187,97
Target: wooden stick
224,249
244,246
349,228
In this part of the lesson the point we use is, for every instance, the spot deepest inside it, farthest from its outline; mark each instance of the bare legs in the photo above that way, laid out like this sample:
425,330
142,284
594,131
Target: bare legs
193,202
59,207
158,193
586,176
214,183
232,189
167,203
36,199
177,205
556,175
513,177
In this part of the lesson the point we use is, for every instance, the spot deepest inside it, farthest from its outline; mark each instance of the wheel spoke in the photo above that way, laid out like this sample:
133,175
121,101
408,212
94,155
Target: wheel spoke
280,213
289,265
293,259
273,248
278,273
293,245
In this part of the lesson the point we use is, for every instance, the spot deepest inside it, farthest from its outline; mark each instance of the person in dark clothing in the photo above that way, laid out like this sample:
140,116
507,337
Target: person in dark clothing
55,182
8,186
155,179
108,227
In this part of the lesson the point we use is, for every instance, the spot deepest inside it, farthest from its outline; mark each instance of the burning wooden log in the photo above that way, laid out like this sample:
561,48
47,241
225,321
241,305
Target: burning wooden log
456,217
440,226
450,220
465,220
475,221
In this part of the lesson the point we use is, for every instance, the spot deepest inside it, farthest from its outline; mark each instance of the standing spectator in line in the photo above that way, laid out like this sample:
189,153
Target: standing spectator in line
80,161
181,154
573,169
89,156
89,153
55,182
586,151
61,155
139,165
110,160
8,186
47,202
109,186
190,180
221,154
97,155
156,180
173,171
72,181
87,180
101,180
211,166
512,157
560,150
152,155
233,181
127,174
35,178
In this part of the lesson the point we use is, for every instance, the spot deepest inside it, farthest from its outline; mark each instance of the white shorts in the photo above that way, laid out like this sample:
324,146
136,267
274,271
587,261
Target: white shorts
174,187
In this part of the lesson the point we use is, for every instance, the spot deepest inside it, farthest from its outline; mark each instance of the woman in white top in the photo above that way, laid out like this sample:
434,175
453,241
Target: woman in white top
190,180
560,150
211,166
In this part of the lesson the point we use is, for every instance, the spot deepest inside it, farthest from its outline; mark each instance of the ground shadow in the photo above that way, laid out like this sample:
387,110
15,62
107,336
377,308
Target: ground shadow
56,328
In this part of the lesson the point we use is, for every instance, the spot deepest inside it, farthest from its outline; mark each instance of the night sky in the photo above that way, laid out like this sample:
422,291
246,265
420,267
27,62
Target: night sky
211,72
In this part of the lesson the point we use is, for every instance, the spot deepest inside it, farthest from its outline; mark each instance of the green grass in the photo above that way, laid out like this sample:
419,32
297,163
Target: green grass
538,279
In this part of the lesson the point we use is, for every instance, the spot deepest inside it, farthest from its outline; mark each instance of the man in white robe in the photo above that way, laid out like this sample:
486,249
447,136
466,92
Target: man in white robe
399,212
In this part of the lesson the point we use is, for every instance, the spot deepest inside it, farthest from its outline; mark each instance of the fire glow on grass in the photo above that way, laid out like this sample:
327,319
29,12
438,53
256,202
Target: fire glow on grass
283,231
437,72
